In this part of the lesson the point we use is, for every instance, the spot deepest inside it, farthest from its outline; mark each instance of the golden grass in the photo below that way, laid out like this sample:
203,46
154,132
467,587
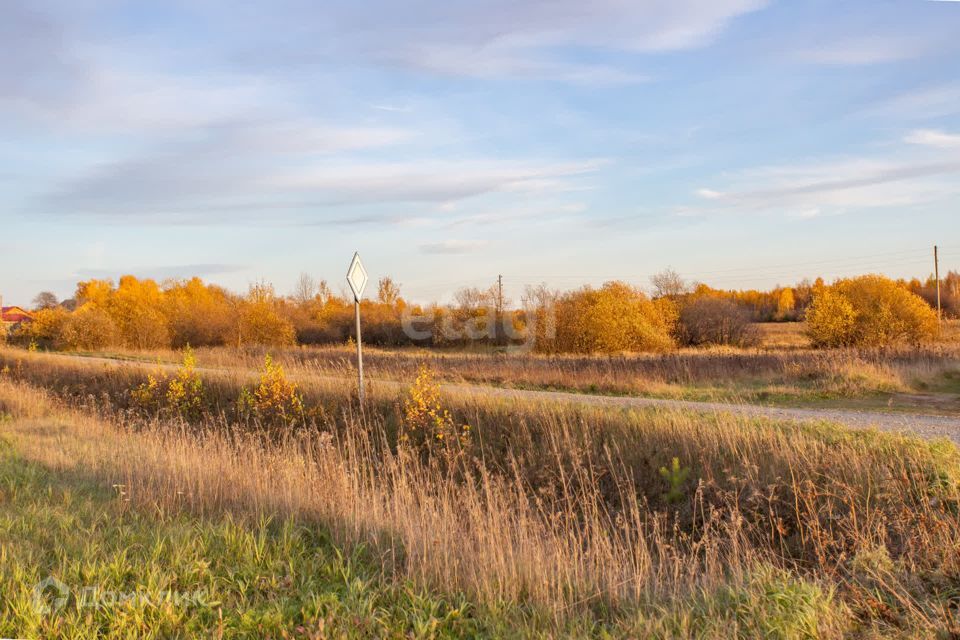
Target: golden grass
559,510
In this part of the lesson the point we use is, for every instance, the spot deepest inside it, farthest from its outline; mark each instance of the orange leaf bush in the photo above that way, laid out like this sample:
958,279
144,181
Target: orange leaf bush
871,311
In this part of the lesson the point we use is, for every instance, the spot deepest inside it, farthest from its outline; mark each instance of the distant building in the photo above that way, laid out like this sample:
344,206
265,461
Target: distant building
11,317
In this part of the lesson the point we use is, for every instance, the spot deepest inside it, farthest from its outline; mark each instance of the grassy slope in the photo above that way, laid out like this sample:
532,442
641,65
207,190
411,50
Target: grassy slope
255,578
258,578
859,492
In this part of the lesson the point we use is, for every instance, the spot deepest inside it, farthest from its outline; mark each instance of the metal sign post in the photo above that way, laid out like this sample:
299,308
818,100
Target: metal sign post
357,279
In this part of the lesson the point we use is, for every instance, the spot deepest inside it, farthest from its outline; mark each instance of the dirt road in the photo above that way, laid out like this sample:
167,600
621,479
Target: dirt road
926,426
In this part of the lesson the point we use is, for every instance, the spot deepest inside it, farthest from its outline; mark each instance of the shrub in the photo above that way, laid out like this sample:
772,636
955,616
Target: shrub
710,320
276,400
46,330
89,327
426,421
869,311
260,320
616,317
181,396
185,395
135,306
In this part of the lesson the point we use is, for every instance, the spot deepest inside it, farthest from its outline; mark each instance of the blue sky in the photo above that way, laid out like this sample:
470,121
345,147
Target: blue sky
743,143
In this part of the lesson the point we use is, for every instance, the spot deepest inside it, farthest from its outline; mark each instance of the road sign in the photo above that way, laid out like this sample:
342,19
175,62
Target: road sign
357,279
356,276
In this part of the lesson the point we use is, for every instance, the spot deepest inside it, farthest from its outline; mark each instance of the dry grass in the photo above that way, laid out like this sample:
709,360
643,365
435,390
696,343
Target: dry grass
739,374
561,513
783,369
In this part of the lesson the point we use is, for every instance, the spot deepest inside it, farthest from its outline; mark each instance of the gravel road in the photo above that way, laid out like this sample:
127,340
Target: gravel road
923,425
926,426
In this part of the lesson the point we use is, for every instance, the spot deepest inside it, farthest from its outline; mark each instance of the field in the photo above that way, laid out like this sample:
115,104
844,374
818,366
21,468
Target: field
783,371
252,501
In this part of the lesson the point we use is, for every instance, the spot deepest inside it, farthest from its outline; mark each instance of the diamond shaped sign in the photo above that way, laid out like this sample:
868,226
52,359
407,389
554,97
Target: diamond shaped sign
356,276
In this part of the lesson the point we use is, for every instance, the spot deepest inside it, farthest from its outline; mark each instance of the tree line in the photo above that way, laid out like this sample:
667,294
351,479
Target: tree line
144,314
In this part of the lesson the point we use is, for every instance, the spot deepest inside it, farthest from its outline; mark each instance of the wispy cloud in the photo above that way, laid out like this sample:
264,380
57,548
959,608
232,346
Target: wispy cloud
825,187
934,138
863,51
920,103
452,247
513,214
488,38
208,184
162,272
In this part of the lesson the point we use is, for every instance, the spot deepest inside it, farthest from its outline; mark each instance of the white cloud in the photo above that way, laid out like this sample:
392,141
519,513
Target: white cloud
518,213
828,187
442,182
485,38
933,138
204,184
863,51
452,247
921,103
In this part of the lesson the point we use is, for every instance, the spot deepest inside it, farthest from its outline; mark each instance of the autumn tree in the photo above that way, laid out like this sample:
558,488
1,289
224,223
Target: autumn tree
786,304
198,314
89,327
136,308
45,300
260,320
616,317
668,284
305,290
718,321
539,307
388,292
869,310
46,329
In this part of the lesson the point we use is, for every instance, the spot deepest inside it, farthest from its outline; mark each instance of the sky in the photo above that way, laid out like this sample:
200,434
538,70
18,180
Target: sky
743,143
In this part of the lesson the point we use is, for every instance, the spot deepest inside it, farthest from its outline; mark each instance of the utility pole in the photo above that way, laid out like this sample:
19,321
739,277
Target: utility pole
499,326
936,274
500,294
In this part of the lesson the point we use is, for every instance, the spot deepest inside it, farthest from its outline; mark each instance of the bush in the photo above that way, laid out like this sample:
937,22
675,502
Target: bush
614,318
89,327
869,311
46,330
260,320
709,320
426,422
276,400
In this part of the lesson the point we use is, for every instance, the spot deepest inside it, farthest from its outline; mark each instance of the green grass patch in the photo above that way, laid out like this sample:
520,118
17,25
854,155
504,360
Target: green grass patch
129,574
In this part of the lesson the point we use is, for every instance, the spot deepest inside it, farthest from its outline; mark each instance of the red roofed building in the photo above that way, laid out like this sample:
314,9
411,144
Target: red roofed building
10,317
16,315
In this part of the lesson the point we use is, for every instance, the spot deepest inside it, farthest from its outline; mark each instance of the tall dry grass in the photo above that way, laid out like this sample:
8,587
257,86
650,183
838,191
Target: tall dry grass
718,372
558,509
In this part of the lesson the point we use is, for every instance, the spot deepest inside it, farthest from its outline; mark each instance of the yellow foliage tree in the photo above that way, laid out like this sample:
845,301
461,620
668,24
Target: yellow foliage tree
136,307
260,321
830,319
869,310
46,330
89,327
616,317
786,304
198,314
